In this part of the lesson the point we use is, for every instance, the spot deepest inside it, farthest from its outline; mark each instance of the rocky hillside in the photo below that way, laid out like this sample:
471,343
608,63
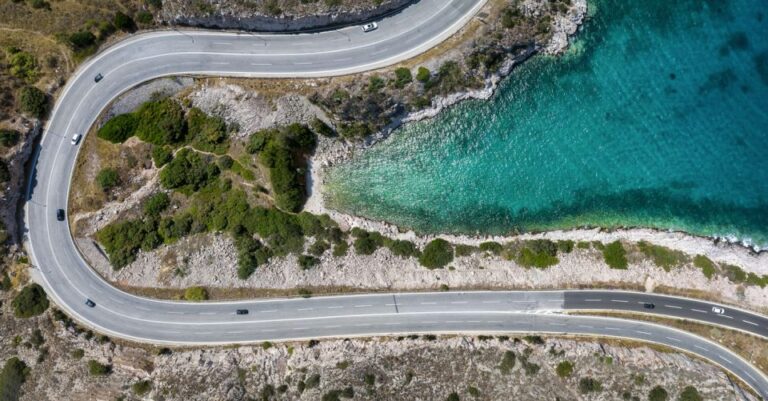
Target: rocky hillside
274,15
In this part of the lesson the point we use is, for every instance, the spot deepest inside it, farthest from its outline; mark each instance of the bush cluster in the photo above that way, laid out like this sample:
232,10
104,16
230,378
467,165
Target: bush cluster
207,133
9,137
188,172
283,151
196,294
107,179
98,369
540,253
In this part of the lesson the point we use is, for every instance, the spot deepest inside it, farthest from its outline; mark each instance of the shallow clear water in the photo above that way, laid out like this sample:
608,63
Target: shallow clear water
657,117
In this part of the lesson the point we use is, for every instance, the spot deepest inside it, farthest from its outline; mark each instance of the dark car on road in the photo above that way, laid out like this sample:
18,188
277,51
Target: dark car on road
98,77
90,303
241,312
60,214
648,305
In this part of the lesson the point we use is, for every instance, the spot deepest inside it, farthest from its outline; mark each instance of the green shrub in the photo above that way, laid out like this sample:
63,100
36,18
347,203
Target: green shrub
196,294
107,179
564,369
402,248
312,381
423,75
538,253
507,362
735,273
589,385
366,243
98,369
161,155
77,353
376,83
402,77
565,246
658,393
583,245
369,379
706,265
118,128
33,101
690,393
473,391
156,204
123,239
31,301
277,150
437,254
355,130
307,262
9,137
37,338
453,397
13,375
615,255
23,65
188,171
464,250
662,256
141,387
321,128
250,254
492,247
124,22
5,172
160,122
144,17
340,249
207,133
82,40
510,17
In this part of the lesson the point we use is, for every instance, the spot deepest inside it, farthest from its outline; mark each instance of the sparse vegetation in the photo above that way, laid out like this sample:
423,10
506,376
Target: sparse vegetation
662,256
690,393
33,101
95,368
142,387
706,265
589,385
507,362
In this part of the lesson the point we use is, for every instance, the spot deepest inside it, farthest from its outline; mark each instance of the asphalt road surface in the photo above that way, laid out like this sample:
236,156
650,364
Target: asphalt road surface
69,280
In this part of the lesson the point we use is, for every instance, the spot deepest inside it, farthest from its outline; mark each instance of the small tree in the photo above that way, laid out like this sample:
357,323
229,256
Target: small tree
30,302
156,204
437,254
107,179
124,22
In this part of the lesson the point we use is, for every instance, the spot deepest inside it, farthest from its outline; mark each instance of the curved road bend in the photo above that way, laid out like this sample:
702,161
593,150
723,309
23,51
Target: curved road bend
69,280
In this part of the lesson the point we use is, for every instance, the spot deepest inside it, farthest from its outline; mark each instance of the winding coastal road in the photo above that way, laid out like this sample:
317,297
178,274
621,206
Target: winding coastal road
69,280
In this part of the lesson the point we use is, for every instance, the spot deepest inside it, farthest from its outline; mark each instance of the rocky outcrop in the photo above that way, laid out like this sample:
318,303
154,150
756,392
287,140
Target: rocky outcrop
226,15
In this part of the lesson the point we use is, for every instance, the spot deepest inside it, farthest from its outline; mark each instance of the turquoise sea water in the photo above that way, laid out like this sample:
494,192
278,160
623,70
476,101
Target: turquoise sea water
657,117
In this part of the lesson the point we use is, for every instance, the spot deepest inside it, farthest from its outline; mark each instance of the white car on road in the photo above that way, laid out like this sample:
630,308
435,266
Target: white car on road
371,26
76,138
718,310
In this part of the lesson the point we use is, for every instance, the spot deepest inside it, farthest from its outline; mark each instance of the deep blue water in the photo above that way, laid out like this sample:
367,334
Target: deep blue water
656,117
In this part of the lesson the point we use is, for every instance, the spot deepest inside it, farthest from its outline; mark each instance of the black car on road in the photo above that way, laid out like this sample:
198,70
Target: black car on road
90,303
241,312
60,214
